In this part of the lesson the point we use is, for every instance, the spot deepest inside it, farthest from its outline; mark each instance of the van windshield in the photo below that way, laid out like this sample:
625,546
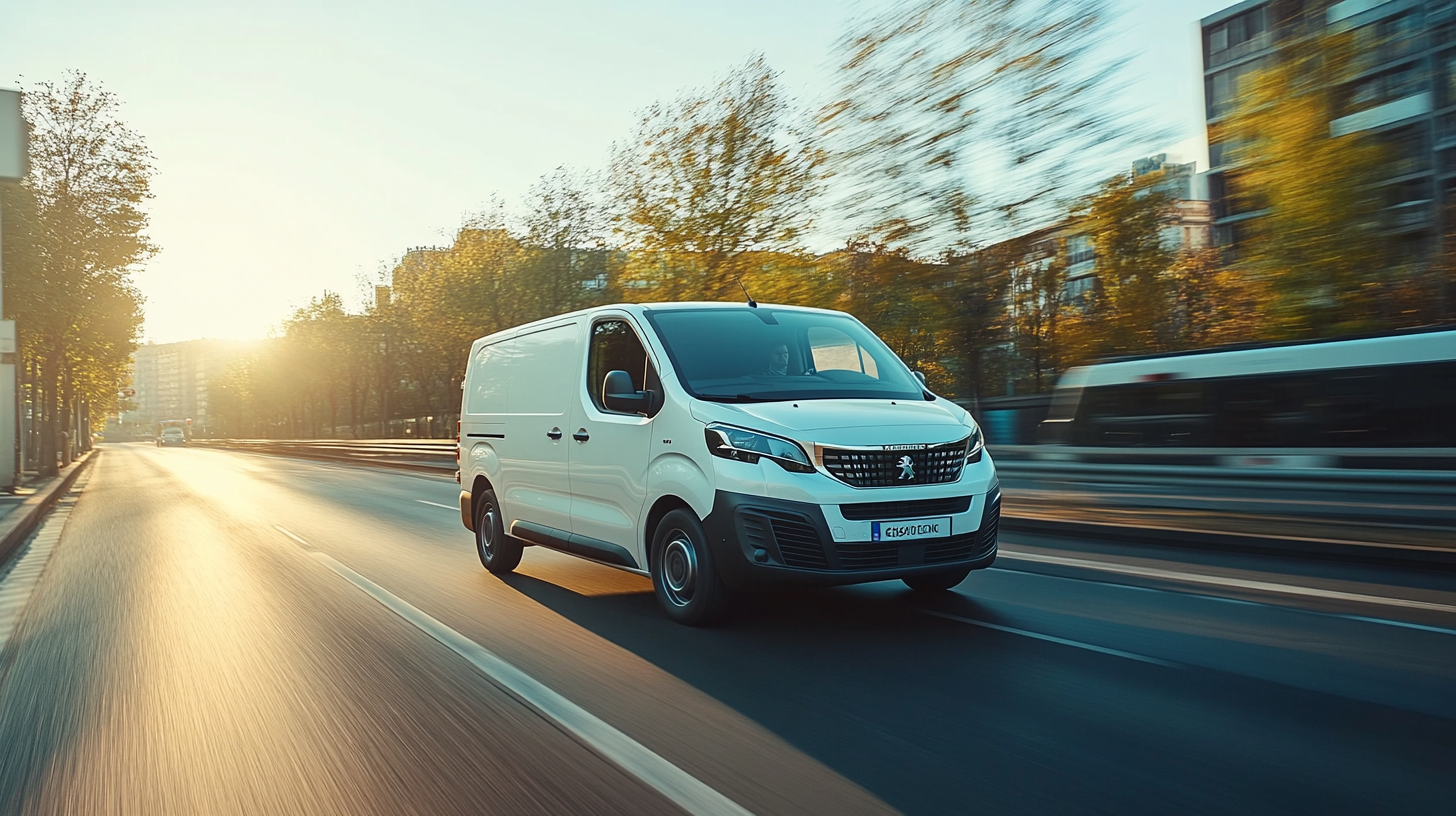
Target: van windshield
767,355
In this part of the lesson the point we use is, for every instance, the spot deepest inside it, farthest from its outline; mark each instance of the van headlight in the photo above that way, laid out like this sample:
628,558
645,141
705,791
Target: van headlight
977,444
743,445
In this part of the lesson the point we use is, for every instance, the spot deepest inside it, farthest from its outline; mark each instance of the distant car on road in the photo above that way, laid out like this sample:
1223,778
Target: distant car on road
171,436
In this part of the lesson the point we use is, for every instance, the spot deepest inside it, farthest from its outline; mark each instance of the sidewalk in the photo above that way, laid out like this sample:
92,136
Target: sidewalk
22,511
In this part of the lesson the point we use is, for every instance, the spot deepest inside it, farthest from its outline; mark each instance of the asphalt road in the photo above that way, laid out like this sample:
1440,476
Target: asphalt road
218,632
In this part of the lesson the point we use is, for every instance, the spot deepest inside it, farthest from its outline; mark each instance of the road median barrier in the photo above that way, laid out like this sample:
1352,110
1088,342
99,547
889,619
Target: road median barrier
419,455
1369,552
438,456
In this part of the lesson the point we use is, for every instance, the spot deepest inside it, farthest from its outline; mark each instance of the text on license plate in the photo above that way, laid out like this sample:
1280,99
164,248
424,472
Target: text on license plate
910,530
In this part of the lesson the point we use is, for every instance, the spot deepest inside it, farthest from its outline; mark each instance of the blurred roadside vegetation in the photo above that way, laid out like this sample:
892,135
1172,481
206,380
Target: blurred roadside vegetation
954,160
935,195
73,231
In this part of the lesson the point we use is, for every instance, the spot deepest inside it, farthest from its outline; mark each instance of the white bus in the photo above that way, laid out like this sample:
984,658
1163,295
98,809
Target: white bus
1395,391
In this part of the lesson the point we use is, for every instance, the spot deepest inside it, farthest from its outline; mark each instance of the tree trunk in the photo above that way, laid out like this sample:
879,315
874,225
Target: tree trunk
31,438
46,458
67,416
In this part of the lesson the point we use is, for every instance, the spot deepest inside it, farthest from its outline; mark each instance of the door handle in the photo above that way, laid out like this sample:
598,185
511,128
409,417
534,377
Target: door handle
581,435
554,433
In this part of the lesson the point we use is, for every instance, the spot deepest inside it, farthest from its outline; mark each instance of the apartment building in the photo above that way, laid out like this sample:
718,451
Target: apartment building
1403,91
172,380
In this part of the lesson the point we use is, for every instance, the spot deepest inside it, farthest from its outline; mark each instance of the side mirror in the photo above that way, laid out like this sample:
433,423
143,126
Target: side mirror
619,395
920,375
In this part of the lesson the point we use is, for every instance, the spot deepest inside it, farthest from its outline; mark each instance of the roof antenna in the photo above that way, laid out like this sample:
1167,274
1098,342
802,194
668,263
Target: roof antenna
752,304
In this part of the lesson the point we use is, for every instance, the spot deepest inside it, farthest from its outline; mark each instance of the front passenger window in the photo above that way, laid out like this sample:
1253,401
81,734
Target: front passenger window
615,347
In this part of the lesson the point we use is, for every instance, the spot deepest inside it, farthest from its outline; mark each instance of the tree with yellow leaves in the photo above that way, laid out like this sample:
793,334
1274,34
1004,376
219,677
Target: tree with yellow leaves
710,181
1315,238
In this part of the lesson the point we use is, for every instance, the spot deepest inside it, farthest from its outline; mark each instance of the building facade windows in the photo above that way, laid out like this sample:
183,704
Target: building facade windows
1401,90
1223,88
1237,36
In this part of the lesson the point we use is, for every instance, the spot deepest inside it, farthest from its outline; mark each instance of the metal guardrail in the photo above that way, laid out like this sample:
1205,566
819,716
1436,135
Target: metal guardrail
1370,465
1367,465
433,455
1038,475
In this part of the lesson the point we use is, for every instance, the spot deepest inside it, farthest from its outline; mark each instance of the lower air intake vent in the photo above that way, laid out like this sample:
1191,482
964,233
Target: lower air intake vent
798,541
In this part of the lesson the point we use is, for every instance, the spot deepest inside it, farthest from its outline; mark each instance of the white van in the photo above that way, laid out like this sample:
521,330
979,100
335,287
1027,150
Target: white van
718,447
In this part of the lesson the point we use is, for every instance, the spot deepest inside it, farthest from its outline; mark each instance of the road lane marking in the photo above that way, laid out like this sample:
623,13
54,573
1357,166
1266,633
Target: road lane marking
1402,624
677,785
300,541
437,504
1233,583
1053,639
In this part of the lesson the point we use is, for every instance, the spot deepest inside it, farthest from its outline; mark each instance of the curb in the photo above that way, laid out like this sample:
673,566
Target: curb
1399,555
22,521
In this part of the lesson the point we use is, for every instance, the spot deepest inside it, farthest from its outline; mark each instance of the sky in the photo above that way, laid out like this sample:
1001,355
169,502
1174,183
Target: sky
302,145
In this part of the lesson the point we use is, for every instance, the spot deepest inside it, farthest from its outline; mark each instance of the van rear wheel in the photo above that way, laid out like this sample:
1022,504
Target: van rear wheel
683,573
498,552
936,581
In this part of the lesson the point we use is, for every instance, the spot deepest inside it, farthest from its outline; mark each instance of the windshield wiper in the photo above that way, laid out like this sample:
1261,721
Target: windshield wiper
737,398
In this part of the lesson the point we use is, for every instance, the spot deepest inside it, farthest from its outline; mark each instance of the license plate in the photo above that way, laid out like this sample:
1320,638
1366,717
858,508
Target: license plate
910,530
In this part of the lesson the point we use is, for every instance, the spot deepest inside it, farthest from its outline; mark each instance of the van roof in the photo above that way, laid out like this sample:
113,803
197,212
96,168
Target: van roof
640,309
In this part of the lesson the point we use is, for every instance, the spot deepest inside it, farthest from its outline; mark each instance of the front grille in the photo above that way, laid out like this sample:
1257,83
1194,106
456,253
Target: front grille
963,547
868,555
883,468
873,511
880,555
957,548
798,542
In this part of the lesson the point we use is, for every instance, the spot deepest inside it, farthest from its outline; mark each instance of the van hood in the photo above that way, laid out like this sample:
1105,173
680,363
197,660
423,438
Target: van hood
843,421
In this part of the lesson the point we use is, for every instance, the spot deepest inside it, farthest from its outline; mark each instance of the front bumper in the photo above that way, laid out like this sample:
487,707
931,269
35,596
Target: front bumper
760,542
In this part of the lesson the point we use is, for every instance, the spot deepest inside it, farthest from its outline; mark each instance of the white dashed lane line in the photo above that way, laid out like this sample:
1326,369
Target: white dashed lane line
677,785
1053,639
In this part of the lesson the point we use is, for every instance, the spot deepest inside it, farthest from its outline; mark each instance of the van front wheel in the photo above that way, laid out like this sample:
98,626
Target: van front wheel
498,552
683,573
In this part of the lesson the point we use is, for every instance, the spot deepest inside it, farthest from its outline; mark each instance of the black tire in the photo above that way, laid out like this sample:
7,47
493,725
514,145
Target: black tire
498,552
936,581
683,573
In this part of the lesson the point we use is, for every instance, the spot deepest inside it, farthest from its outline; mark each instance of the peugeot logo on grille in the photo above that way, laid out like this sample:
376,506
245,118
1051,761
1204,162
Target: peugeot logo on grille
907,469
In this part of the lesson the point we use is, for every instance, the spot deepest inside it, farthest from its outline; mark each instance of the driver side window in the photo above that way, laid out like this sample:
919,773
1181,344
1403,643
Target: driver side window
615,347
833,350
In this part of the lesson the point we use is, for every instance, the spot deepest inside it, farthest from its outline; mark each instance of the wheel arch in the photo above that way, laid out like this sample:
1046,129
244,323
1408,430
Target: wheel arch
478,486
664,505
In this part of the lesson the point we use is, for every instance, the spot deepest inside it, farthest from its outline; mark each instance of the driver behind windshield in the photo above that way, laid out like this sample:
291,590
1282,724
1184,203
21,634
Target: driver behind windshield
777,364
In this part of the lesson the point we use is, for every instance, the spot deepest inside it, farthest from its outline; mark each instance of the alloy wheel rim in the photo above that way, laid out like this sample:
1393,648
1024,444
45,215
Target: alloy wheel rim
487,531
679,569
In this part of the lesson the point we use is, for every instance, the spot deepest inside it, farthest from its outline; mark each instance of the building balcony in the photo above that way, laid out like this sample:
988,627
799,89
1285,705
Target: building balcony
1389,113
1391,51
1411,215
1260,42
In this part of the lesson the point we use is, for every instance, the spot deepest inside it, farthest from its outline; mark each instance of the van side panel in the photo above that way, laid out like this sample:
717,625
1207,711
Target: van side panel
539,371
488,391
